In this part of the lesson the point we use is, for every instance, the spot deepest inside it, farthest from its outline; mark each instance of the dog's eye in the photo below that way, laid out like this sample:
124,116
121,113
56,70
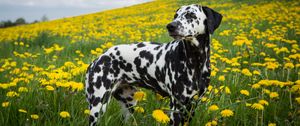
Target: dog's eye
190,16
175,16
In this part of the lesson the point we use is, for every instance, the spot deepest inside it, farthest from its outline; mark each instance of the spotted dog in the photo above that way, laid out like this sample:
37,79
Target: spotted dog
179,69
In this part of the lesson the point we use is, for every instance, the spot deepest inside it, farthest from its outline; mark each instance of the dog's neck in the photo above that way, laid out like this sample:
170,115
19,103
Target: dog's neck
198,54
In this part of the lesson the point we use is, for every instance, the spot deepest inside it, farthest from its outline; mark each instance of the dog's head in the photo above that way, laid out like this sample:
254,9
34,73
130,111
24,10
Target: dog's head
193,20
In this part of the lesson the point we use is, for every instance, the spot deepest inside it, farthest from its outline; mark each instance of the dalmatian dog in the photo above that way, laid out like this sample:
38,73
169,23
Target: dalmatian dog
179,69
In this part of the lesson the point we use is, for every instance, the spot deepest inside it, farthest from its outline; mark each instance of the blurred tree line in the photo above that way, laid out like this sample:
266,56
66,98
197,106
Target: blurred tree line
20,21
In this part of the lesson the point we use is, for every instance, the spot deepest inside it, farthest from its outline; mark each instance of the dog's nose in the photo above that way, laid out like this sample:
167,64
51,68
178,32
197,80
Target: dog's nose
172,26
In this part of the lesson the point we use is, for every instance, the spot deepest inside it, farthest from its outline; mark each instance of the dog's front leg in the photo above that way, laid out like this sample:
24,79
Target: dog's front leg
175,115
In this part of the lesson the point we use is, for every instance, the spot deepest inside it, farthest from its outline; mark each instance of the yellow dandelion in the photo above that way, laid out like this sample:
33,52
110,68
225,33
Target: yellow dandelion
12,94
256,72
248,104
227,90
139,109
257,106
263,102
245,92
22,111
64,114
208,124
289,66
76,86
214,123
226,113
266,91
222,78
139,96
160,116
158,96
34,116
49,88
204,99
5,104
273,95
246,72
87,111
196,97
272,124
22,89
297,99
213,108
255,86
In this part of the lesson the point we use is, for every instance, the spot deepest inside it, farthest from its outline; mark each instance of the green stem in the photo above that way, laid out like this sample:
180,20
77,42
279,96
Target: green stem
256,118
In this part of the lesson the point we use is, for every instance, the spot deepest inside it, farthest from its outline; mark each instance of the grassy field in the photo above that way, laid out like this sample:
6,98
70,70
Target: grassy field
255,65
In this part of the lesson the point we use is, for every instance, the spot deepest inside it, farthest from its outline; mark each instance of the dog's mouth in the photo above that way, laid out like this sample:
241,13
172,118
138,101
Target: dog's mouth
177,36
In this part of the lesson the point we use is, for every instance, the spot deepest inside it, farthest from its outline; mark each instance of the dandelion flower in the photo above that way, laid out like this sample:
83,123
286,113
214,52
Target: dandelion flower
257,106
204,99
213,108
256,72
139,96
139,109
297,99
273,95
248,104
34,116
272,124
208,124
5,104
226,113
214,123
87,111
263,102
246,72
76,86
22,89
196,97
244,92
222,78
289,65
12,94
49,88
227,90
64,114
22,111
160,116
255,86
158,96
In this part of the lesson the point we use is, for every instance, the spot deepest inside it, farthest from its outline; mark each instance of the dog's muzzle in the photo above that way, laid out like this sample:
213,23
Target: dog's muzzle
173,29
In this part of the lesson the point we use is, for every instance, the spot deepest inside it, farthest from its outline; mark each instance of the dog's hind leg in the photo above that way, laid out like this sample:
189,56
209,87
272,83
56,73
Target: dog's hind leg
124,94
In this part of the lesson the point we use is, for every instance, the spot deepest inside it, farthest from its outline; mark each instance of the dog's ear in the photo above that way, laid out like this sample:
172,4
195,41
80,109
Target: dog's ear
213,19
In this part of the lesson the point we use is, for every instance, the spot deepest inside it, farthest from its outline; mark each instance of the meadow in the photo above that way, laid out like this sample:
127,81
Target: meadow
255,59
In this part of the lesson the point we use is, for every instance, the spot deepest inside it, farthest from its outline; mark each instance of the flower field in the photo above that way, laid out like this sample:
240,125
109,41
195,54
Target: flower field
255,59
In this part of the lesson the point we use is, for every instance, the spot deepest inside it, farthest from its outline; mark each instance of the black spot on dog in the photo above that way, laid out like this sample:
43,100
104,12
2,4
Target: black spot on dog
105,97
155,43
118,53
147,55
175,16
91,118
158,54
96,101
98,83
140,45
90,89
96,114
